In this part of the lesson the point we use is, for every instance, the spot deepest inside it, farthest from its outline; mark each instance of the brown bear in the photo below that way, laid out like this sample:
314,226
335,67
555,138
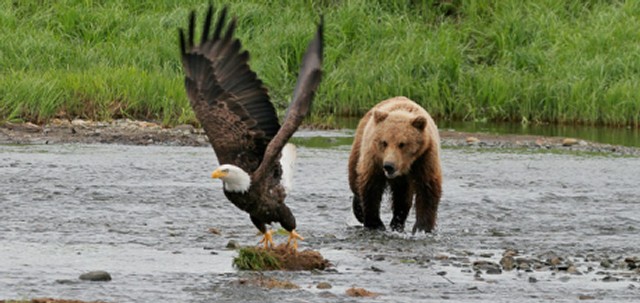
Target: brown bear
396,146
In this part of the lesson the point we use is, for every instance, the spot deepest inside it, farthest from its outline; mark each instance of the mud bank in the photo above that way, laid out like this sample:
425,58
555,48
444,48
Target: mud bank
131,132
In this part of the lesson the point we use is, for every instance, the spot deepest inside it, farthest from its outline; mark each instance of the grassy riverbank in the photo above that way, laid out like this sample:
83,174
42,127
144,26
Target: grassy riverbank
542,60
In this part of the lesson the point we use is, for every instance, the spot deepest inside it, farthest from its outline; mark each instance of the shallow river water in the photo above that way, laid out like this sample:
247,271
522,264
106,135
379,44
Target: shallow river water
143,214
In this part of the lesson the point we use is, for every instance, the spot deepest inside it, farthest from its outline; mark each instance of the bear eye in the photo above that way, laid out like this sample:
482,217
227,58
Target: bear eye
383,143
401,145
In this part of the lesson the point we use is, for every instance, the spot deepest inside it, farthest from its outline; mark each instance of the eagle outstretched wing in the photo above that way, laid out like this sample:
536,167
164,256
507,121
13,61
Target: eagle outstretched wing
227,97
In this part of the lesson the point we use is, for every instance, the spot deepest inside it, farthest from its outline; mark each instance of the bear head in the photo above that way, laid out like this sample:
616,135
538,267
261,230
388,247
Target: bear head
399,139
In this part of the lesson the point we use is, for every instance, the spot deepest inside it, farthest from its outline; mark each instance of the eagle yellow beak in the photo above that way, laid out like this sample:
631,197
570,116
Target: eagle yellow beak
217,174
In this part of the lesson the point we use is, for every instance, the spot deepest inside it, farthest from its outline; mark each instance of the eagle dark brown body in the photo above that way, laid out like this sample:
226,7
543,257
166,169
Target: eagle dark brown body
240,121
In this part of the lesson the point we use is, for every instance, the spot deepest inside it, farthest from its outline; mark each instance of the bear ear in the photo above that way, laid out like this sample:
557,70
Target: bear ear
419,122
379,116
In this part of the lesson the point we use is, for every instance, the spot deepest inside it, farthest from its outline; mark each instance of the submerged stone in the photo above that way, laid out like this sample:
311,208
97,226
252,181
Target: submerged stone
98,275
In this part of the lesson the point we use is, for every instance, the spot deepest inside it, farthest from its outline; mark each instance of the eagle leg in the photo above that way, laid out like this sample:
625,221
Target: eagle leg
267,239
293,239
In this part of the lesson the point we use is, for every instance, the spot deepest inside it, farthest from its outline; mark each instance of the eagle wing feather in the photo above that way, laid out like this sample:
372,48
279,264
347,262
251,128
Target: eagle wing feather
229,100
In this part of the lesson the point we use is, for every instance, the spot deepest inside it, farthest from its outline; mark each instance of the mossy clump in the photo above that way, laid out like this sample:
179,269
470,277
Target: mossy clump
278,258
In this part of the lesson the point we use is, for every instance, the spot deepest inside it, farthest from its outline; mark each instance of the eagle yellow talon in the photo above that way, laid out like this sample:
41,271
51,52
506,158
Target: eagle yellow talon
293,239
267,239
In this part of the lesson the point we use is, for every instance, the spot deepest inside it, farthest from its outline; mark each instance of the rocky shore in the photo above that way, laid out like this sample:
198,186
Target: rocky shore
125,131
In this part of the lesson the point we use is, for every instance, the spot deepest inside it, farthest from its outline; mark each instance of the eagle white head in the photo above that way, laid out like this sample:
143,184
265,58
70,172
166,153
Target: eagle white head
234,178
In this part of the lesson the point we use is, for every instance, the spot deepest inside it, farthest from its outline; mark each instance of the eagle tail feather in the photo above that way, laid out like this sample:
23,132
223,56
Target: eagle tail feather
287,161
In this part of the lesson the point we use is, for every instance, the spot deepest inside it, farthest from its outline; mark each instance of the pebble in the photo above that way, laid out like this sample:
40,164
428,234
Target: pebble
98,275
233,244
472,140
510,253
327,295
488,266
494,271
378,258
80,123
323,285
610,279
569,142
185,128
586,297
507,263
573,270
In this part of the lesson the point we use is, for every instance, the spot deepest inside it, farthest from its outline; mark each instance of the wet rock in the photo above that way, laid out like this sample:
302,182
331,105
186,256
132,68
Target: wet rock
507,263
98,275
214,231
360,293
551,258
233,244
533,280
586,297
378,258
510,253
605,263
327,295
487,266
441,273
323,285
555,261
472,140
376,269
441,257
185,128
609,278
494,271
573,270
632,262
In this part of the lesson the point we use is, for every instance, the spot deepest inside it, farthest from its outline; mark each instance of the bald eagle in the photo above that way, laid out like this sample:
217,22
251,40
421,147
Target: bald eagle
235,111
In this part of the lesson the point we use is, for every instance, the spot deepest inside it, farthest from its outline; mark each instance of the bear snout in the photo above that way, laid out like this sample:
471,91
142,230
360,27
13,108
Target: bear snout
389,169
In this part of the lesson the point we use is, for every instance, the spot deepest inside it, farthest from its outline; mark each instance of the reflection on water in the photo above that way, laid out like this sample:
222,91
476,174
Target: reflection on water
610,135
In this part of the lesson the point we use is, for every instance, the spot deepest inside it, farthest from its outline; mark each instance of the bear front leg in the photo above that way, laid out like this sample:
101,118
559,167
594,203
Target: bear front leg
402,197
371,193
427,200
428,189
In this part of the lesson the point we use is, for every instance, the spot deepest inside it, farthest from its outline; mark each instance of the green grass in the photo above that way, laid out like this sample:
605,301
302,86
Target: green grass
573,61
253,258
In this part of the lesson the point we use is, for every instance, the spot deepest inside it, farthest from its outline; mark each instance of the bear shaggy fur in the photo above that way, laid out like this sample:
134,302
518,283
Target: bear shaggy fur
396,146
